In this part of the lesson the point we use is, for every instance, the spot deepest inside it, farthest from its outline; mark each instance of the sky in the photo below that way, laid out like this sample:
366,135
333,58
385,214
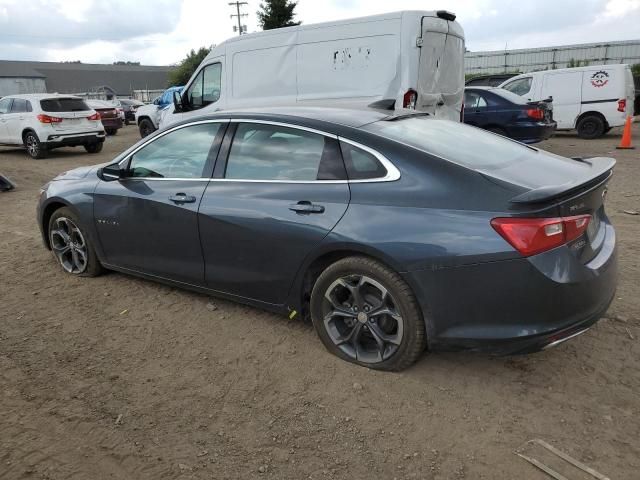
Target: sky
161,32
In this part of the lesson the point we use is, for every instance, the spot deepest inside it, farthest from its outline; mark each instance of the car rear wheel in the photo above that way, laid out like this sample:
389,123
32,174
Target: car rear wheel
146,127
71,246
366,314
590,127
34,147
94,147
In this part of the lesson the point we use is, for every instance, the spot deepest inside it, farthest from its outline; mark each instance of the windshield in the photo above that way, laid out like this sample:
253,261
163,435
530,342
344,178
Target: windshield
64,105
459,143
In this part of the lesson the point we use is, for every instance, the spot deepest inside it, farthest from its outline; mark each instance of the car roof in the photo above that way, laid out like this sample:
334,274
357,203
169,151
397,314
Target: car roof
350,117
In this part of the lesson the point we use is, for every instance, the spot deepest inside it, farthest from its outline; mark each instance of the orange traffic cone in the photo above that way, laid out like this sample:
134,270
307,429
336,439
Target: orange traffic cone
625,143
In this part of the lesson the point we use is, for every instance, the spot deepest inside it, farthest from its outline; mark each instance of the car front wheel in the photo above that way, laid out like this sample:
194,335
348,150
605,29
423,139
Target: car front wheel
146,127
71,245
365,313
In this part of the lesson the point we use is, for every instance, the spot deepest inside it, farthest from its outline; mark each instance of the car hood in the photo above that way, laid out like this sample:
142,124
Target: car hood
77,173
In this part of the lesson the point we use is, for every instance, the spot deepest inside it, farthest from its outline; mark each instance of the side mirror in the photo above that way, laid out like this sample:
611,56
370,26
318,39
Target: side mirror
177,102
111,173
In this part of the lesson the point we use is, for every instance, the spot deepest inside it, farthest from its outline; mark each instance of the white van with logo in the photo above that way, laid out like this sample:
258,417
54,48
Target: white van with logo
591,100
409,59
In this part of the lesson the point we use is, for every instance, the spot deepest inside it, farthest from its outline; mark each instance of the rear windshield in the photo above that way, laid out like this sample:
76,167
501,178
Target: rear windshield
459,143
512,97
64,105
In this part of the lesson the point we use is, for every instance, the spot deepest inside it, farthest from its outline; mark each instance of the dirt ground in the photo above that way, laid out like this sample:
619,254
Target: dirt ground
120,378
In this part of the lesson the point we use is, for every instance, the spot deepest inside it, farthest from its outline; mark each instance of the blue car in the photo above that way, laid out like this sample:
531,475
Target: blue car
507,114
392,233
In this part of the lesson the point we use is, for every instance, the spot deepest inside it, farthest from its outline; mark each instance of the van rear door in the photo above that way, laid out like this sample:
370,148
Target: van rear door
441,71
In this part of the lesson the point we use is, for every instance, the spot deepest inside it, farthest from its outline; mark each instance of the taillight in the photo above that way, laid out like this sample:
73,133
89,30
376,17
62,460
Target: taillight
95,117
47,119
535,113
622,105
535,235
410,98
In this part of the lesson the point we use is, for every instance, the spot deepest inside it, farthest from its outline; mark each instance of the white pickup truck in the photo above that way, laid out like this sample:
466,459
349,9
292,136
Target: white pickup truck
148,116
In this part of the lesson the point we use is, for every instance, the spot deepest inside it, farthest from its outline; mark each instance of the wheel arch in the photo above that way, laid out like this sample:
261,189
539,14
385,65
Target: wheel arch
49,209
28,130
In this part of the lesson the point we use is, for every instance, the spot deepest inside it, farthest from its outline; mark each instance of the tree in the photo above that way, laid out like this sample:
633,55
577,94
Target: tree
183,71
277,14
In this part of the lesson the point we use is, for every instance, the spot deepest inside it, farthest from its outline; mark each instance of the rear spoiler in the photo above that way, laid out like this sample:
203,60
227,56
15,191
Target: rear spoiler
601,170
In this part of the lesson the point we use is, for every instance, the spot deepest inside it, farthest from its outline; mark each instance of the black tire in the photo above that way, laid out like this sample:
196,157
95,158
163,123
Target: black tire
64,221
94,147
498,131
402,341
146,127
35,148
591,126
111,131
126,122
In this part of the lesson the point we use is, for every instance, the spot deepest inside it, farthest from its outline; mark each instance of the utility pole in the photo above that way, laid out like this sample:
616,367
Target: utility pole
240,28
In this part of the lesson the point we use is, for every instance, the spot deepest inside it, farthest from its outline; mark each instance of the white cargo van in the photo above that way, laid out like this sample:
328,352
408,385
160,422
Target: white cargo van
592,100
409,59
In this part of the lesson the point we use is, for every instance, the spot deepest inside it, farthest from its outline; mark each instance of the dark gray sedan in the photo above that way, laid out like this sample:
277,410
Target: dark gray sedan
392,233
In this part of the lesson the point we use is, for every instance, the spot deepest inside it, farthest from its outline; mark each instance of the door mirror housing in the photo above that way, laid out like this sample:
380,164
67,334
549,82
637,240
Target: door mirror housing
177,102
111,173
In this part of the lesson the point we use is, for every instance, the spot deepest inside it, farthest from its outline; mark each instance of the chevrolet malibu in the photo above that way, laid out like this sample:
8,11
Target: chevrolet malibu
394,234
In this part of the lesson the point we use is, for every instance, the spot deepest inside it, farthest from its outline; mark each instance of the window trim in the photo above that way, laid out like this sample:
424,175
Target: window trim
393,173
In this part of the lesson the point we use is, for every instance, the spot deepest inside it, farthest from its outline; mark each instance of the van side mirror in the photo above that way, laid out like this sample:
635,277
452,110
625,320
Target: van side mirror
177,102
111,173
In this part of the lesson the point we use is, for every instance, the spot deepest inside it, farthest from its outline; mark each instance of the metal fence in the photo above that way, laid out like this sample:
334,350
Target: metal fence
532,59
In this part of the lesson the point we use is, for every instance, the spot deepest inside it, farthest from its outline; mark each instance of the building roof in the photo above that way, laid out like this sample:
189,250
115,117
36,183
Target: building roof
86,77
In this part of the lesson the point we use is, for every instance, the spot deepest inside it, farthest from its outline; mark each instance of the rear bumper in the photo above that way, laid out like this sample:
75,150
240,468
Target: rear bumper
112,122
516,306
533,132
73,139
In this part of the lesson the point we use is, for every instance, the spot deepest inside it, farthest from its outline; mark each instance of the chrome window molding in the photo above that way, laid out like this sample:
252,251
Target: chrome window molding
392,175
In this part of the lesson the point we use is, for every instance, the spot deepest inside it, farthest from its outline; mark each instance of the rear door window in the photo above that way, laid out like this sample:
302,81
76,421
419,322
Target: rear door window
63,105
19,105
474,100
273,152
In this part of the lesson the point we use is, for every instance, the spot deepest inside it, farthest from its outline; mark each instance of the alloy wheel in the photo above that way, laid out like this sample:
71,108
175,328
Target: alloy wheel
362,319
69,246
32,145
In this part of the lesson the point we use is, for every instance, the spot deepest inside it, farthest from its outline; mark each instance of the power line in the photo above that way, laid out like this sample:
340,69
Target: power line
240,28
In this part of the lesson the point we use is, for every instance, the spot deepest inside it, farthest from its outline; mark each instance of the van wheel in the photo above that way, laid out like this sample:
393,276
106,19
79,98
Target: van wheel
366,314
590,127
146,127
34,147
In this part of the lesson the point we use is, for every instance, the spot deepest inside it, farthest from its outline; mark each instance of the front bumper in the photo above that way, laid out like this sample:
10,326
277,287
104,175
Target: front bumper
516,306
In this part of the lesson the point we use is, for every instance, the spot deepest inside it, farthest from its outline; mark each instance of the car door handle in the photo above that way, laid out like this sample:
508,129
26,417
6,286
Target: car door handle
306,207
180,198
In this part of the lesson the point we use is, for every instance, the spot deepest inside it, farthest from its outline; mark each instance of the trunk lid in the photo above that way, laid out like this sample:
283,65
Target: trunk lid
441,71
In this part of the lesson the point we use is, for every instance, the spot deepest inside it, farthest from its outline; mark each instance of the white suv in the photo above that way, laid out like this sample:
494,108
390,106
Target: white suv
41,122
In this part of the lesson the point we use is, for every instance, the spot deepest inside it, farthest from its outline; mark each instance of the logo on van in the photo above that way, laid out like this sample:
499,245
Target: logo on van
600,79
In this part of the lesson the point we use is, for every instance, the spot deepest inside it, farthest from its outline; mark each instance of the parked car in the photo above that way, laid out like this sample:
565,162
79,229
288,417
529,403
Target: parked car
492,80
410,59
109,115
591,100
42,122
507,114
391,232
129,107
147,117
